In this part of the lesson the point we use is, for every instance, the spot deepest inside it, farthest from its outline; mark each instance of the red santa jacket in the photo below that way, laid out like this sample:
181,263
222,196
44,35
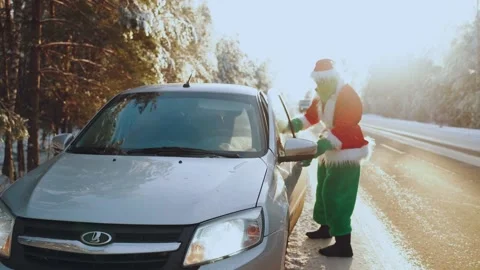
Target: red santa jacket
341,115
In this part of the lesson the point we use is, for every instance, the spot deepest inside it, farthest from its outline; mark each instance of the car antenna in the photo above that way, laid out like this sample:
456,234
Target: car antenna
187,84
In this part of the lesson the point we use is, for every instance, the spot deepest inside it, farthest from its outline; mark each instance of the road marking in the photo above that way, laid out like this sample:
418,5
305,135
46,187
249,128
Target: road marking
393,149
433,164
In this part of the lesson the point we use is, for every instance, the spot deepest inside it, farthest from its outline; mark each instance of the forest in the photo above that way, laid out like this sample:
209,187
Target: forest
63,59
447,94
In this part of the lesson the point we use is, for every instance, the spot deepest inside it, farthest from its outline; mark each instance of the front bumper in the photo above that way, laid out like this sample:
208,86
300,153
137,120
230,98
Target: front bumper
269,255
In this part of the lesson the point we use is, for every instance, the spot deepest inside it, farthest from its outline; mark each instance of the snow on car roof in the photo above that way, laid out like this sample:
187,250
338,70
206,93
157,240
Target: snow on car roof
196,87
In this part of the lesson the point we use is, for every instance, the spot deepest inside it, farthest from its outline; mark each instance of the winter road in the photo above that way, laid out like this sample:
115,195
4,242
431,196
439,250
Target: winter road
415,210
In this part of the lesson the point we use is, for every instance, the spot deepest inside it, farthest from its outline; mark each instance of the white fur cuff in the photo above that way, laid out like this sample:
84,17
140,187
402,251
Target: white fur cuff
305,123
336,143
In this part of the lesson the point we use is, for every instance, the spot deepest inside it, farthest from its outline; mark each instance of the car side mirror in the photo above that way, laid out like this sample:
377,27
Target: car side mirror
60,142
298,150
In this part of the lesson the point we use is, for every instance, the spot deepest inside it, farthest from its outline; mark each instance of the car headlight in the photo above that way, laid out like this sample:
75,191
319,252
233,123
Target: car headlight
226,236
6,228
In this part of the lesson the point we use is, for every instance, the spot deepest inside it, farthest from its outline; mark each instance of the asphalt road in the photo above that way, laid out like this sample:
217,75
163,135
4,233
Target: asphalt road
415,210
433,202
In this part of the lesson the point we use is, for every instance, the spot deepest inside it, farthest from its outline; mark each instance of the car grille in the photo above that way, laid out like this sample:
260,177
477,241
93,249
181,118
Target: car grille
64,260
120,233
29,257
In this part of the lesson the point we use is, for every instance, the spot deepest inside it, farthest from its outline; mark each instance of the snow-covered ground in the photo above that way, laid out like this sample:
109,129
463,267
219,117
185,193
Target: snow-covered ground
468,139
44,154
428,137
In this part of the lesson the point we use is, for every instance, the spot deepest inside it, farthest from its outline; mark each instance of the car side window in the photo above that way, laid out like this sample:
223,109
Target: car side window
279,140
264,109
281,118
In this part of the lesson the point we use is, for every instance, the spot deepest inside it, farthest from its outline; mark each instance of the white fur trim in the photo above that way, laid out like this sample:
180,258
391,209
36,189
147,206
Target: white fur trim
305,123
349,156
329,112
320,109
336,143
320,75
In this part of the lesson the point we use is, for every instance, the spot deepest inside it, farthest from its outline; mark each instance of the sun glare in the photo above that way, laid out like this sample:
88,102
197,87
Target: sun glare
354,33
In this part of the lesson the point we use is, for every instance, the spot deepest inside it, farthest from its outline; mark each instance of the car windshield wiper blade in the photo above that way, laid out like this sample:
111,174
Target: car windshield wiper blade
109,150
182,151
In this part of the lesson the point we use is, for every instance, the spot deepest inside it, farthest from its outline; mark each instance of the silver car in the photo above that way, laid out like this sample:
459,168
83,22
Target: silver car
163,177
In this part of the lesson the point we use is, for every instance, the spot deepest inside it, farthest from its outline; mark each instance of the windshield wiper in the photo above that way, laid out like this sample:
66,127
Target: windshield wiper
181,151
109,150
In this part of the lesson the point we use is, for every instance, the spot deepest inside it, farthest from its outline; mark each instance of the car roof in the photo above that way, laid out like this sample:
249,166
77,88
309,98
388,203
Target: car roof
196,87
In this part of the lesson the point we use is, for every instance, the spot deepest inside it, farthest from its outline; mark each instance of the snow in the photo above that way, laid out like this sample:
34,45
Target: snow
468,139
427,136
439,150
45,152
44,155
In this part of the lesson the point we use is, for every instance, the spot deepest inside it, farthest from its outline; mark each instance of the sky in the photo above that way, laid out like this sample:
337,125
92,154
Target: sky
293,35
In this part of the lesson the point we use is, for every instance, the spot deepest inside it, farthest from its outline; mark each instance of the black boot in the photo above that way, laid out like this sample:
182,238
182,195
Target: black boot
341,248
321,233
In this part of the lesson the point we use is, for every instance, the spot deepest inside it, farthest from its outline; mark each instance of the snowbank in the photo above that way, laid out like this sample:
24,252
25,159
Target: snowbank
463,138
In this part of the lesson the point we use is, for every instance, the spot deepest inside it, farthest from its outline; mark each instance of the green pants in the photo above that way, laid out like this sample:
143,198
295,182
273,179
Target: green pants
337,189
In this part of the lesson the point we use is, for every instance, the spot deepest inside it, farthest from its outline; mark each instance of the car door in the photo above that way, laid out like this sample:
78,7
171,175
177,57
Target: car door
295,176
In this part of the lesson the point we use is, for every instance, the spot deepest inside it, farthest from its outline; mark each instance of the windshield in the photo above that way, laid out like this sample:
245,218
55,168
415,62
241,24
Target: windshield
141,122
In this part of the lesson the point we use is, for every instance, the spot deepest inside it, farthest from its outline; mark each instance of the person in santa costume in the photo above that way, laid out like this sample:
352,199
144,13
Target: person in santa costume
340,149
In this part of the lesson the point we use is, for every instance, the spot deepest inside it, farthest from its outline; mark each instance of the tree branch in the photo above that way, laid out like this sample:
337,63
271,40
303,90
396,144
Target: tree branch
86,61
78,60
60,3
57,20
5,107
73,44
80,78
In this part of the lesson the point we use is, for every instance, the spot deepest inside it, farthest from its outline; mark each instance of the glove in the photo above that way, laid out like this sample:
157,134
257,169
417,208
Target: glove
306,163
323,145
284,126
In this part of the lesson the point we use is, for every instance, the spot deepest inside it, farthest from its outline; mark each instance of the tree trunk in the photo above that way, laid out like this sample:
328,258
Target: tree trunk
8,95
8,165
70,127
44,138
64,125
19,109
34,87
20,158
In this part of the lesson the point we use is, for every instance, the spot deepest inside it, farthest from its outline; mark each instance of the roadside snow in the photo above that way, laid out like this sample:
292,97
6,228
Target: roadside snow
44,153
439,150
468,139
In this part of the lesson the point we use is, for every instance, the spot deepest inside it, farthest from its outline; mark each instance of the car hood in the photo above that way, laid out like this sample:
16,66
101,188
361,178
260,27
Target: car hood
136,190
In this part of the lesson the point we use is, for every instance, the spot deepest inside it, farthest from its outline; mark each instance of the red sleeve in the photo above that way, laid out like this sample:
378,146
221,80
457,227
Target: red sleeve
312,114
